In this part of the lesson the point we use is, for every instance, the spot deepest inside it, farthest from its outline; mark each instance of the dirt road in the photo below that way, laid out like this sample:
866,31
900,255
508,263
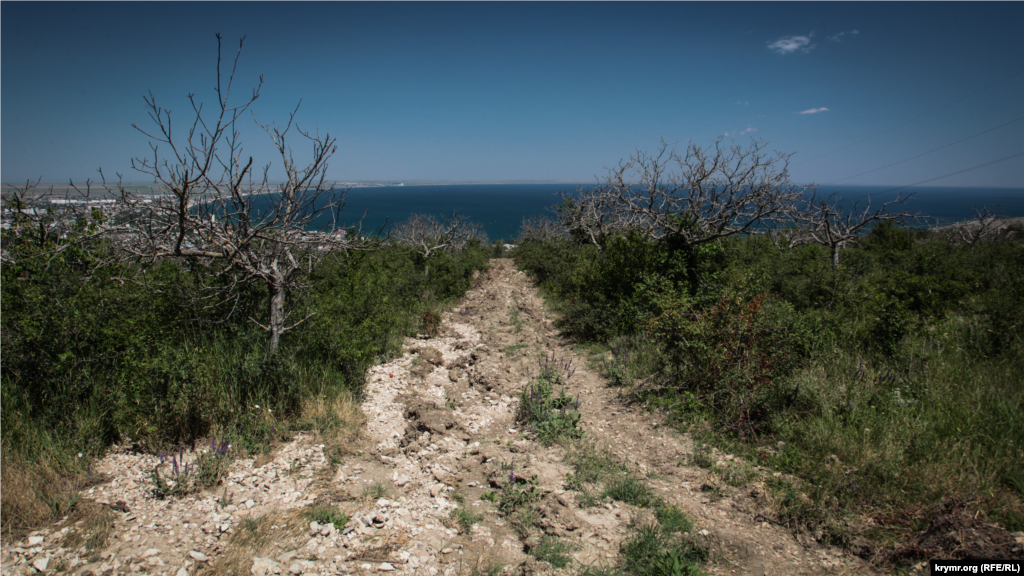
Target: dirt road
440,436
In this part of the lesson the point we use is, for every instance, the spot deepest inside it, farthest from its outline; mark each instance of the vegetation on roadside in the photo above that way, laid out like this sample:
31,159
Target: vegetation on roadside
91,359
889,385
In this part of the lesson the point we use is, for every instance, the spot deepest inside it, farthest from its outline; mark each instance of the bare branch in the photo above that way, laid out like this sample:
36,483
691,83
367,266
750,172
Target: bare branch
826,221
704,195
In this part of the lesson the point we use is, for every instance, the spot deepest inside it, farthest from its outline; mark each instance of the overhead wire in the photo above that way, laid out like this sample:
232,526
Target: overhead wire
914,119
997,161
926,153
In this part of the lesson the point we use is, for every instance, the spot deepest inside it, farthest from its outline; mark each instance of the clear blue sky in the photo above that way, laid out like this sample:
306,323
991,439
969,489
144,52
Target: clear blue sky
529,91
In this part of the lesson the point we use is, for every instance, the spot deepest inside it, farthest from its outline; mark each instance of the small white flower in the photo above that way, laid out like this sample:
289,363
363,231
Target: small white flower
269,410
257,406
79,454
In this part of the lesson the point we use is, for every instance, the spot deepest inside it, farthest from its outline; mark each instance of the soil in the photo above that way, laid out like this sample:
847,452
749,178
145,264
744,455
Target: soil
440,429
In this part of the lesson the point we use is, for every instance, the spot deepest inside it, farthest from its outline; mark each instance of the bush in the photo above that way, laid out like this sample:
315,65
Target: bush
92,357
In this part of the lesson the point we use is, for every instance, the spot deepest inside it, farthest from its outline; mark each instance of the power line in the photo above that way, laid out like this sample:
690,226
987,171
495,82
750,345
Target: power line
913,119
1003,159
926,153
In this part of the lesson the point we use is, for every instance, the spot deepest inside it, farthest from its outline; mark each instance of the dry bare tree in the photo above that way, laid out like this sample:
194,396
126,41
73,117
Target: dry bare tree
428,235
985,225
213,209
827,222
540,228
701,196
53,221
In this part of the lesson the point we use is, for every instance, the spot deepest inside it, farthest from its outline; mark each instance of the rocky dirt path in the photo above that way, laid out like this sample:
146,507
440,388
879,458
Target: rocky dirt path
440,436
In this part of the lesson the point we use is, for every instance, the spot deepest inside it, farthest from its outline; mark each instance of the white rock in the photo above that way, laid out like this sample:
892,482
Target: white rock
385,567
402,480
41,564
314,528
383,503
249,503
182,572
264,567
198,556
35,540
150,552
295,568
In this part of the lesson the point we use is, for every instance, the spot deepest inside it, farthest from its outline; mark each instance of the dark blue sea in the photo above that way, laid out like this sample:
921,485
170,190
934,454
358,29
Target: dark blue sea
500,208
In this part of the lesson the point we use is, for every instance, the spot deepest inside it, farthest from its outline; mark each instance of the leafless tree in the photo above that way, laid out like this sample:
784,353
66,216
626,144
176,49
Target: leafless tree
53,221
207,210
540,228
700,196
985,225
429,235
826,221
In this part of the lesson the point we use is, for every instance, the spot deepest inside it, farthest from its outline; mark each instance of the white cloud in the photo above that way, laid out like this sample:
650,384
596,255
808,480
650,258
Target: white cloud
791,44
743,103
748,129
813,110
839,37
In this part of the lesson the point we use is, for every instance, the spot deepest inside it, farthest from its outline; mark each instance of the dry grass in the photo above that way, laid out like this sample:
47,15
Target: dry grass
335,423
33,494
90,524
265,536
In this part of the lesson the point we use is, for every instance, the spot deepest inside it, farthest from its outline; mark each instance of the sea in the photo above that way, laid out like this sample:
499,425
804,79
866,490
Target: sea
501,208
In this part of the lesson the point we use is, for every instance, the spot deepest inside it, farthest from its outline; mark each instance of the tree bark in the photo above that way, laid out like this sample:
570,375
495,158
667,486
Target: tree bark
277,315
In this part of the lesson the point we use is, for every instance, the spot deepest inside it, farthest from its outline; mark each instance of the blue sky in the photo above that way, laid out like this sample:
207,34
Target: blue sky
529,91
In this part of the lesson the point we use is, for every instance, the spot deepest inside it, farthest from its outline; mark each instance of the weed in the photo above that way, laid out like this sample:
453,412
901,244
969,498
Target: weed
522,520
736,473
206,469
226,499
650,551
375,490
672,519
490,496
487,568
465,519
517,323
517,493
551,417
554,551
703,456
590,463
631,490
431,321
324,513
92,531
510,350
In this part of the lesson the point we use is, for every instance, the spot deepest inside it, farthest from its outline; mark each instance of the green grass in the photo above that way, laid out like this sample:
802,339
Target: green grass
551,418
323,513
510,350
886,385
553,550
651,551
465,519
375,490
515,320
629,489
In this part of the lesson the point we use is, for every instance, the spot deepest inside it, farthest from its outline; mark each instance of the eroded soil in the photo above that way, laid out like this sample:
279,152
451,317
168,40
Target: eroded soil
440,433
